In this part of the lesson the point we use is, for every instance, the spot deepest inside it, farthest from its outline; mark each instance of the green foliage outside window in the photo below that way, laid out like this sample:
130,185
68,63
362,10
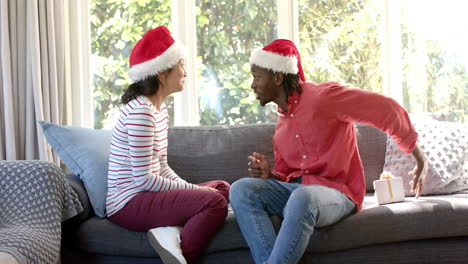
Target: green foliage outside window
115,28
227,32
339,41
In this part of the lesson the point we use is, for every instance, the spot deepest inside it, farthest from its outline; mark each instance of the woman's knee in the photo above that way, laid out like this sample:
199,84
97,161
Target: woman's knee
217,200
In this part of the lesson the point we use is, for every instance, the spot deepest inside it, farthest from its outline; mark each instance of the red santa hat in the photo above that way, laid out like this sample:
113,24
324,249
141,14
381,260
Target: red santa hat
155,52
279,56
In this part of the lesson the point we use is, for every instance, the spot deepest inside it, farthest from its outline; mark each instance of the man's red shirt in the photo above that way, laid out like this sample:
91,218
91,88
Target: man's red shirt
316,137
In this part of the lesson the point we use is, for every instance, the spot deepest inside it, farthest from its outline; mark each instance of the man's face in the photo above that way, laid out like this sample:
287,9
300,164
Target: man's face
263,85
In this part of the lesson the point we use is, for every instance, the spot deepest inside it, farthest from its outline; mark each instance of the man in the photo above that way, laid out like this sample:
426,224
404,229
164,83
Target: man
318,177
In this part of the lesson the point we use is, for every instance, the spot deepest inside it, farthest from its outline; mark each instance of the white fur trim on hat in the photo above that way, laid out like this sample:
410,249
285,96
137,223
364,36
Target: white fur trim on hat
274,61
163,62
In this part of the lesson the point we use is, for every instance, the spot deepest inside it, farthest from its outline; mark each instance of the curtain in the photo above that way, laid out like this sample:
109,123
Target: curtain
44,57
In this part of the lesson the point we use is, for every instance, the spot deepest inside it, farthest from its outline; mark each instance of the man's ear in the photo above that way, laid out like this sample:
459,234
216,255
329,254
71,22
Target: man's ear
278,78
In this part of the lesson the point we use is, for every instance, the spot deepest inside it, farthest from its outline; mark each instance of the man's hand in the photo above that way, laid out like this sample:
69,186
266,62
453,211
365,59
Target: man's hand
259,167
419,172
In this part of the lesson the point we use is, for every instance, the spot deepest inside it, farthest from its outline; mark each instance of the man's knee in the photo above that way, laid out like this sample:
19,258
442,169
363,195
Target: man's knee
241,189
303,200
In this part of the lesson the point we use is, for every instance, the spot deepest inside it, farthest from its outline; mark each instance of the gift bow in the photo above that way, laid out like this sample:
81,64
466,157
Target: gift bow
387,176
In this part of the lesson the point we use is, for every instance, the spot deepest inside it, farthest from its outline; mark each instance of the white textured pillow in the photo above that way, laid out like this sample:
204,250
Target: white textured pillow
445,145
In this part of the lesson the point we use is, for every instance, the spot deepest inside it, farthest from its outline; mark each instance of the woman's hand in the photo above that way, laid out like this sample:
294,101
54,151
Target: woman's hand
205,188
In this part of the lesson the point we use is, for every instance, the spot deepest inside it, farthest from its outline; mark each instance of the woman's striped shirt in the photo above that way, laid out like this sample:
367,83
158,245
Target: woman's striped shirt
138,155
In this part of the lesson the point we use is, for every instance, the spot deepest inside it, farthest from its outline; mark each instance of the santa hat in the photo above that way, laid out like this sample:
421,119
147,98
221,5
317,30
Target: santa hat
155,52
279,56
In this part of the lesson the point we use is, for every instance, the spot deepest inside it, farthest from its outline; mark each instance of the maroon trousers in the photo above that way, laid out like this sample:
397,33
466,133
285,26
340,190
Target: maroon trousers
200,212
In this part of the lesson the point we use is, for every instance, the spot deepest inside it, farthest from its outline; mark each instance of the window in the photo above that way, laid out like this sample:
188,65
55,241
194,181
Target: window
384,46
227,32
115,28
339,42
435,57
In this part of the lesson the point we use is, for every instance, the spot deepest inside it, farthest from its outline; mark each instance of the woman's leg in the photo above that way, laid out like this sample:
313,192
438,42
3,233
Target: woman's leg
200,212
222,187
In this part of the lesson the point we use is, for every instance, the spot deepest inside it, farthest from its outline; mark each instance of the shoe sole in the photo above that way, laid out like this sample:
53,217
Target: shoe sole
166,256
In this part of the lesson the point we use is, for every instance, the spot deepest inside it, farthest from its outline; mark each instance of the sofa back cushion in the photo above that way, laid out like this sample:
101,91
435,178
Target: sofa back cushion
200,154
197,154
372,144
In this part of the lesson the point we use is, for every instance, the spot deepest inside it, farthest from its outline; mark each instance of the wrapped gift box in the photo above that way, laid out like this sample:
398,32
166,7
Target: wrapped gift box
389,190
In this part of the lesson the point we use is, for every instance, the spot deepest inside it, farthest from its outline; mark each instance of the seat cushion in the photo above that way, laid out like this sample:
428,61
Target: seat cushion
427,217
101,236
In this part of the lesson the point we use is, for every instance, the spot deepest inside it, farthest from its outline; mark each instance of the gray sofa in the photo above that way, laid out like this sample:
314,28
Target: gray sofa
433,229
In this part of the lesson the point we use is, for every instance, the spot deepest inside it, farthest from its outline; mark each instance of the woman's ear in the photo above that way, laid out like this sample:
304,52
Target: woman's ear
162,78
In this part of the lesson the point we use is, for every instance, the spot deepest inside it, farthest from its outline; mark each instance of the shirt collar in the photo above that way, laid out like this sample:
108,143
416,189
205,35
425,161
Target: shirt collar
293,101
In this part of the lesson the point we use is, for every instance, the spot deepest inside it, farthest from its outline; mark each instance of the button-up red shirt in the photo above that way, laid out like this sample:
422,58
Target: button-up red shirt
316,137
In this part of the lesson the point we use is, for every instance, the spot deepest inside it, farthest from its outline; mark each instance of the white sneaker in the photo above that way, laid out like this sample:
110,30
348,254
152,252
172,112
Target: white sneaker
166,242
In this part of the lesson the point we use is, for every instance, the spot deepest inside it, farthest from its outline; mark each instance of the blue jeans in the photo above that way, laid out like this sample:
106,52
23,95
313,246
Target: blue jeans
302,208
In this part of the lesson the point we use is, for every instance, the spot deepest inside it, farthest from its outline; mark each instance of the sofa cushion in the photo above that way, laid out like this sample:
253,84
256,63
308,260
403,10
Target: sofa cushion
409,220
101,236
85,152
445,145
413,219
200,154
371,144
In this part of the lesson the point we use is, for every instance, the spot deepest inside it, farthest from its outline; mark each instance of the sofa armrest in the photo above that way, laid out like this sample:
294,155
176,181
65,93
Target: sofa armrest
78,186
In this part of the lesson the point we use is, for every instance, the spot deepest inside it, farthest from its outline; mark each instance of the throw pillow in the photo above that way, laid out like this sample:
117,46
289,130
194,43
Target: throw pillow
85,152
445,145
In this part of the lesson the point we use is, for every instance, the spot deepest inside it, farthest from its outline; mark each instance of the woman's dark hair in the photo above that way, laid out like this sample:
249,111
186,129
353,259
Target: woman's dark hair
147,86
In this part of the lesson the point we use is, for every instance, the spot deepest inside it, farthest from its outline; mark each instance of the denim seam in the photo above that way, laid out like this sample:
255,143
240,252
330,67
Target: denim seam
307,216
263,240
296,238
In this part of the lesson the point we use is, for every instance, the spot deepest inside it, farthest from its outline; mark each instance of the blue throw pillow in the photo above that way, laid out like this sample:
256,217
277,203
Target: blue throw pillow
85,152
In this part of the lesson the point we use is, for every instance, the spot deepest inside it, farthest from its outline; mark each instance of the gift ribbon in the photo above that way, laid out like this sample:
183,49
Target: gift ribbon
390,191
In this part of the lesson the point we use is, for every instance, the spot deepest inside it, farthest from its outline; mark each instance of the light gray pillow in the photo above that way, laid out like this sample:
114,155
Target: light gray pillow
85,152
445,145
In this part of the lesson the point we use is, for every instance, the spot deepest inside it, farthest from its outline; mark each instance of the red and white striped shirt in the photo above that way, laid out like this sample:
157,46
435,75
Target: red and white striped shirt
138,155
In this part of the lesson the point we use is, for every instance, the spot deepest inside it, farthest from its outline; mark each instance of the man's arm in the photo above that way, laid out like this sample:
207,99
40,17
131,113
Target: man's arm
419,172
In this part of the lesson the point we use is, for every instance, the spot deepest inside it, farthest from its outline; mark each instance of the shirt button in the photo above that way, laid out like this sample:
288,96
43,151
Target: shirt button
295,101
304,156
306,171
297,136
292,115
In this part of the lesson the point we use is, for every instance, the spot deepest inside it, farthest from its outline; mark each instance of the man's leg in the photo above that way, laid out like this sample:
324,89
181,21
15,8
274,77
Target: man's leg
308,206
253,201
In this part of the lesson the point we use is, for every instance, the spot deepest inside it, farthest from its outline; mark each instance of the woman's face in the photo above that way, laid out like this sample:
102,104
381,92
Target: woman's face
176,77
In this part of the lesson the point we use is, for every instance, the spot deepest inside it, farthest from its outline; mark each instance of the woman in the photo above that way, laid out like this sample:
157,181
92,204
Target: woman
144,193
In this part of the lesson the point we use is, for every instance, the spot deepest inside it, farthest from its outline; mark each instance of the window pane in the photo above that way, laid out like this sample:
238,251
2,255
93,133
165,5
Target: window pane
435,57
339,42
227,32
115,28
